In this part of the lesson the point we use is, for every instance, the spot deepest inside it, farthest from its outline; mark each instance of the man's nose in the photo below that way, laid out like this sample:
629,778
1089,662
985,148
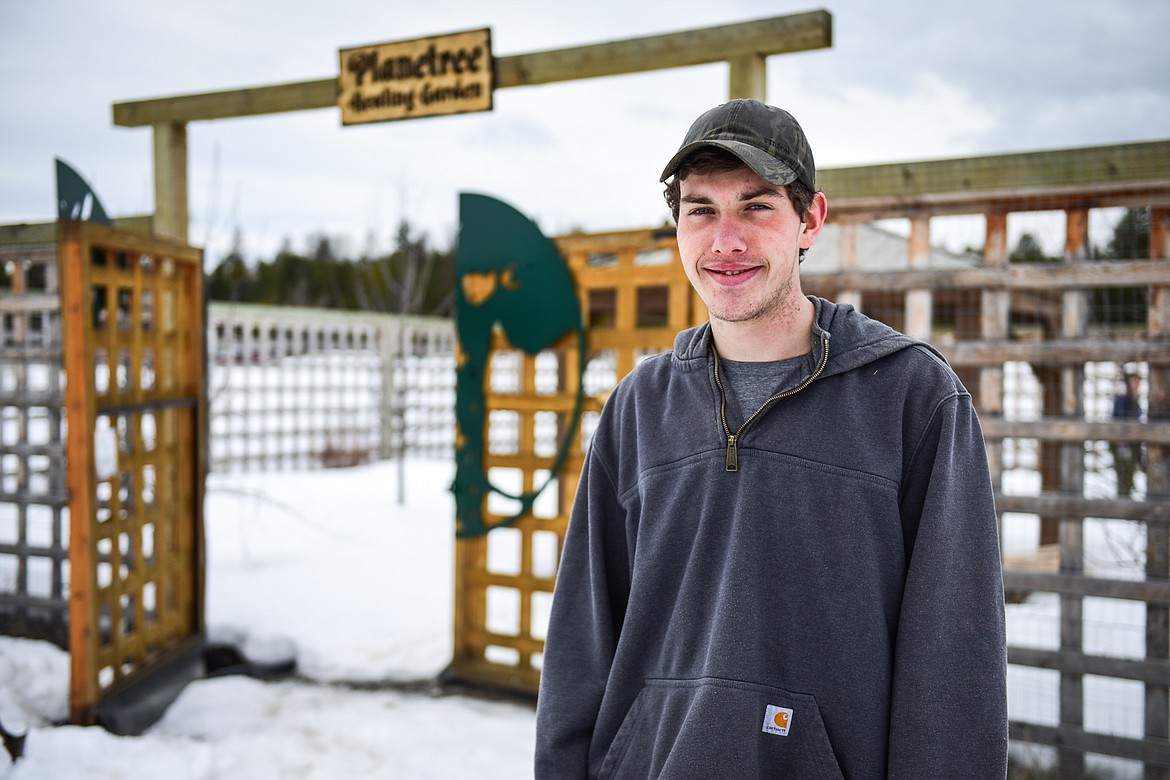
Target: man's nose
729,237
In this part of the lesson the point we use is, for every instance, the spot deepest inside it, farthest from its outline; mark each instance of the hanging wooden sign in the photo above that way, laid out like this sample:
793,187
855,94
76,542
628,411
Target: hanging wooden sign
446,74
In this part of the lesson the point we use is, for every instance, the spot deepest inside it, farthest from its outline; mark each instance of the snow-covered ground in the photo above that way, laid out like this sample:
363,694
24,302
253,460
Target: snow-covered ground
329,563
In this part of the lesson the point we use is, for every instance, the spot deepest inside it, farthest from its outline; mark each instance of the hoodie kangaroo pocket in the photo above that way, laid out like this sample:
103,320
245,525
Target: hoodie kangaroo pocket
711,727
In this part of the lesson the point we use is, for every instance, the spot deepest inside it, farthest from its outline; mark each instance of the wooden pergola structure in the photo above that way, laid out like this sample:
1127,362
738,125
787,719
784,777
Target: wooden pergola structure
744,46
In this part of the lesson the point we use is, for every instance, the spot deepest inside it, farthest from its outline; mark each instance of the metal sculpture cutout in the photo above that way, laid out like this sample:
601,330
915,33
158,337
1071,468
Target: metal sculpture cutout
507,273
76,200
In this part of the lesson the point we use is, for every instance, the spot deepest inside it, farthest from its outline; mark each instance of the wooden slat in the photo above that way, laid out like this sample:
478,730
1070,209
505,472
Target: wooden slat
1083,663
1153,512
1075,431
1154,591
1055,351
45,233
526,645
1014,277
247,101
48,355
776,35
508,678
1154,752
83,617
1079,171
639,338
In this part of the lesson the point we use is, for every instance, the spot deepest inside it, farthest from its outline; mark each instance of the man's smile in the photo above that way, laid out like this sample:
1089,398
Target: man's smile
730,274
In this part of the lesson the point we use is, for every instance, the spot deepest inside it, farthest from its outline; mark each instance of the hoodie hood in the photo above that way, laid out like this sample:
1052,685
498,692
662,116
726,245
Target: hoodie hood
854,340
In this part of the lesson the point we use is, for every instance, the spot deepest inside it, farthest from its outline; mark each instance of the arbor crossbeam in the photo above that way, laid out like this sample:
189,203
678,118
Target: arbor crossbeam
753,39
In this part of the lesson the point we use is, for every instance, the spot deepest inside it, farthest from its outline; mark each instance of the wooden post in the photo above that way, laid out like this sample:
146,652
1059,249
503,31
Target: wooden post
748,77
847,252
1158,319
1159,231
387,341
919,303
79,403
170,180
995,311
1157,699
1071,761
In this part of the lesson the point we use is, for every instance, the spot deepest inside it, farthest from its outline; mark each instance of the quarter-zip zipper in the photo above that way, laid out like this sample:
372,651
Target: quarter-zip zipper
733,438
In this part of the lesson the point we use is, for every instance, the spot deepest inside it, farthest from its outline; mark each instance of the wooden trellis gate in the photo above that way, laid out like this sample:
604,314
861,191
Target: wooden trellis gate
635,297
133,329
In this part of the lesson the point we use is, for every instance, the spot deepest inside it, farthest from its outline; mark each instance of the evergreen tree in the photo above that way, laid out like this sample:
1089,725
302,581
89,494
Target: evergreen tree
1131,241
1028,250
414,278
1131,236
231,280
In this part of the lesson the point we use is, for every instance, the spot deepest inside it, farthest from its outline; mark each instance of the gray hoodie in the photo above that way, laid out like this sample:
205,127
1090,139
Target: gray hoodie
833,608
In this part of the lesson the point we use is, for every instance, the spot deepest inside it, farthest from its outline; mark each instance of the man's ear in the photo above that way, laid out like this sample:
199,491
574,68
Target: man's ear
814,220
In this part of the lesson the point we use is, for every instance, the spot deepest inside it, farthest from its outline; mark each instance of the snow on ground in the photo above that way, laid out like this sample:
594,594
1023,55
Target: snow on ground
362,586
238,728
331,566
327,563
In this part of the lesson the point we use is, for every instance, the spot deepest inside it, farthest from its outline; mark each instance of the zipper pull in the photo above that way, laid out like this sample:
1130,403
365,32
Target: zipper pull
732,453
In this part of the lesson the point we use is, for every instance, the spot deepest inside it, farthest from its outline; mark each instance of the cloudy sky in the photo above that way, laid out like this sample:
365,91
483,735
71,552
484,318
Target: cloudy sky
916,79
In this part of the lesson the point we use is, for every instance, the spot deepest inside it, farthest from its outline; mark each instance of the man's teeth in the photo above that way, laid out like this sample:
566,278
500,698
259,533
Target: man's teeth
733,273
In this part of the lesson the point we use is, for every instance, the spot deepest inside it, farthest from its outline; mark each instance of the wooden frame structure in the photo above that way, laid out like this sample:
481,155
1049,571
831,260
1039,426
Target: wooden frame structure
636,297
745,46
1002,296
133,330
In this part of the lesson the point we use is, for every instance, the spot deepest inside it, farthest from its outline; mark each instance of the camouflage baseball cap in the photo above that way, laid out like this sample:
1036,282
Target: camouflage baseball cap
768,139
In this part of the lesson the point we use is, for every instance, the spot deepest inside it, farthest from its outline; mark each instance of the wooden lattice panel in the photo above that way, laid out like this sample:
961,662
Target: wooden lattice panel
33,536
132,314
635,298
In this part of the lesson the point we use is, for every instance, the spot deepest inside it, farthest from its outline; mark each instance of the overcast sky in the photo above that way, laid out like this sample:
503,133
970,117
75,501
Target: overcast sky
915,79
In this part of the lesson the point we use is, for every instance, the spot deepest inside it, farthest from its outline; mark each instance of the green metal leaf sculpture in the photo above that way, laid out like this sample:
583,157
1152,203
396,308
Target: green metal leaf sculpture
508,274
75,198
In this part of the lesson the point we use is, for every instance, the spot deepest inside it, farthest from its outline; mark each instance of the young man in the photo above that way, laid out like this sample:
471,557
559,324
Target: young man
783,558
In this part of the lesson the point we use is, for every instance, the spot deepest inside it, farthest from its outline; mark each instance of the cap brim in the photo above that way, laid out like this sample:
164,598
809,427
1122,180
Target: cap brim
765,165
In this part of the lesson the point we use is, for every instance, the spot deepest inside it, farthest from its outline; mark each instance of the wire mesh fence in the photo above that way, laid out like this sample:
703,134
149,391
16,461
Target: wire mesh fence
34,514
305,388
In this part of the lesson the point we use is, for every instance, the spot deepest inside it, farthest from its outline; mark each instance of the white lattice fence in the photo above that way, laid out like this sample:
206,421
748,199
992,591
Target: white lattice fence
303,388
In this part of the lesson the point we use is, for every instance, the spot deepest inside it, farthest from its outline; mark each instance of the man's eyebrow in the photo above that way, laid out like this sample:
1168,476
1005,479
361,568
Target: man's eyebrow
767,189
761,192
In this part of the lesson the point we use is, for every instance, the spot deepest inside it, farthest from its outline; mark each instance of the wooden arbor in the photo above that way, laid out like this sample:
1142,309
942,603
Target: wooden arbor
744,46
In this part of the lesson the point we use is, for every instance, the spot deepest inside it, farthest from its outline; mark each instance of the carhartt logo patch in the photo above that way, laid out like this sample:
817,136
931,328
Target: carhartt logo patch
777,720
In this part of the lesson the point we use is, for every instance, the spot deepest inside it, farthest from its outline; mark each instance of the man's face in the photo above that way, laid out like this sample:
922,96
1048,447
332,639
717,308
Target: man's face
739,239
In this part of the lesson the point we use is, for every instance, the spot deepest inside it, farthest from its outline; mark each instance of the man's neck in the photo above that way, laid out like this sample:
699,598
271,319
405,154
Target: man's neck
766,339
